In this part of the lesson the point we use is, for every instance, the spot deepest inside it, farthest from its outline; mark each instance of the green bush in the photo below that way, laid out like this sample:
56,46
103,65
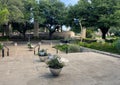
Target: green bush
4,39
111,40
1,46
108,47
89,33
117,45
89,40
71,48
74,48
55,62
62,47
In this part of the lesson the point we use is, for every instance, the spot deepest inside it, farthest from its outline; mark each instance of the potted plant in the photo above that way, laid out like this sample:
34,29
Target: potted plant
43,55
30,46
55,64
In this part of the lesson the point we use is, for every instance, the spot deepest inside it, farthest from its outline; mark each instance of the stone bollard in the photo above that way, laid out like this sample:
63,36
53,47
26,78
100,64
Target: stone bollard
3,52
8,52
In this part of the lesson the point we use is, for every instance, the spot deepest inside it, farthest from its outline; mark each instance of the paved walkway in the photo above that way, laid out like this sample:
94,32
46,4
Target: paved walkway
22,67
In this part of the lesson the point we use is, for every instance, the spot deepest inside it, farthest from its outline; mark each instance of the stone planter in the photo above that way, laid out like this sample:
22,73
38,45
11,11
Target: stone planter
43,58
55,72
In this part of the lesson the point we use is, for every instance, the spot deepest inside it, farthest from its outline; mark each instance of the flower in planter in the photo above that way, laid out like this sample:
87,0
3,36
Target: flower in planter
56,63
43,55
42,52
30,45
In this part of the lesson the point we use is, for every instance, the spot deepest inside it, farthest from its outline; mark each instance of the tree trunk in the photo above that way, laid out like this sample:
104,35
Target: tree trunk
50,35
103,36
36,29
61,29
3,32
104,32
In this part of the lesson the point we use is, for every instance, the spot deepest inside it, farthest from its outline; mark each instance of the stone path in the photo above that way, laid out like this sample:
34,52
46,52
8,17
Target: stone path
22,67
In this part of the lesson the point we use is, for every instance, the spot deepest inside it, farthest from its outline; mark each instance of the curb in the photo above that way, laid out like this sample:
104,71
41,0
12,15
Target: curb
101,52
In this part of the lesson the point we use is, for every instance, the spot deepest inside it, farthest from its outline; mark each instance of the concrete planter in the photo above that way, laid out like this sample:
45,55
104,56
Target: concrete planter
55,72
43,58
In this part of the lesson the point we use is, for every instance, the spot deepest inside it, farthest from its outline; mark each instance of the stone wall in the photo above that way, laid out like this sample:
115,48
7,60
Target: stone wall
67,34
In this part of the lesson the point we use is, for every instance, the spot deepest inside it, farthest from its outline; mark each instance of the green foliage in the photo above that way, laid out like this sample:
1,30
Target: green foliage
101,41
62,47
89,40
89,33
115,31
46,9
4,39
97,13
112,40
43,52
71,48
30,46
117,45
108,47
1,46
4,13
55,62
15,8
74,48
27,11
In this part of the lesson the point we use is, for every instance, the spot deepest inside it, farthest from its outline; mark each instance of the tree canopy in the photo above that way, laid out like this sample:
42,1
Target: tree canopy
102,14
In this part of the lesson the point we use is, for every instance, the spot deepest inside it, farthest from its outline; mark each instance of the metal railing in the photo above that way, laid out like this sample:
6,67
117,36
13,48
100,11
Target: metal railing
3,50
38,45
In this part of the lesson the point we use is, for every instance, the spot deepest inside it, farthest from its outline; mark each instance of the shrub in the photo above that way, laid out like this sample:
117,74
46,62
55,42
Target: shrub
117,45
89,40
71,48
62,47
4,39
55,62
89,33
30,45
101,41
74,48
111,40
108,47
1,46
43,52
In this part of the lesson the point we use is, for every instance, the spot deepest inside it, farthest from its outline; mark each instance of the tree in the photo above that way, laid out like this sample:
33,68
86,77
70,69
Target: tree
50,13
105,11
102,14
11,12
22,27
4,13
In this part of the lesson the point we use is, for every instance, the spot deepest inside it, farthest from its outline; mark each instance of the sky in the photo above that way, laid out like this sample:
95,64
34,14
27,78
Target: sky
67,2
71,2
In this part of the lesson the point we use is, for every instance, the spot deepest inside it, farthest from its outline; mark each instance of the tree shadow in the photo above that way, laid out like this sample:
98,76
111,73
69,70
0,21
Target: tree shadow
50,76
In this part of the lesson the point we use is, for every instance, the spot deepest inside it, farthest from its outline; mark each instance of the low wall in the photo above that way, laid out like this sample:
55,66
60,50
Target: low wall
58,34
67,34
